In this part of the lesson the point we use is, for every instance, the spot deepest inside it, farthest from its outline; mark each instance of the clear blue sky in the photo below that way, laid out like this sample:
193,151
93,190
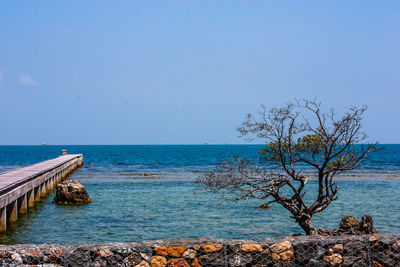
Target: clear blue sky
187,72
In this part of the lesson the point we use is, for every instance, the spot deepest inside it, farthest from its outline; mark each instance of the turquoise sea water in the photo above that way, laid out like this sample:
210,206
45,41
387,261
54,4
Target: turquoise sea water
130,207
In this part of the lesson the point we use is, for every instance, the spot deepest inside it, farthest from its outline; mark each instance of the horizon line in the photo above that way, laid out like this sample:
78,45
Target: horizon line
174,144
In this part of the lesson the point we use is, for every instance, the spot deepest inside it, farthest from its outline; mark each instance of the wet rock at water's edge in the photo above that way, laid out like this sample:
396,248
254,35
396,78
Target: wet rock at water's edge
351,226
71,193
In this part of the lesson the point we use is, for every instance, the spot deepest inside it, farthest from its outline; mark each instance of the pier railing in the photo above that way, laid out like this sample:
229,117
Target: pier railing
20,189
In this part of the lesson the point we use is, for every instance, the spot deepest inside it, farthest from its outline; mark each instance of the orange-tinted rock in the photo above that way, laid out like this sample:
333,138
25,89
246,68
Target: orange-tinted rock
196,263
143,264
177,263
376,264
158,261
105,253
175,251
286,256
334,259
33,252
56,252
208,248
275,257
338,248
280,247
251,248
161,250
282,252
196,248
374,238
189,254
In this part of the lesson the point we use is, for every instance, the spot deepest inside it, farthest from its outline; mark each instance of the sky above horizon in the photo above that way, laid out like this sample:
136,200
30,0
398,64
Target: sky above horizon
187,72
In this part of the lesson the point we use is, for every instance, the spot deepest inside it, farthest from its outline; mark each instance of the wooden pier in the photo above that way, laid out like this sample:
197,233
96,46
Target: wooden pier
20,189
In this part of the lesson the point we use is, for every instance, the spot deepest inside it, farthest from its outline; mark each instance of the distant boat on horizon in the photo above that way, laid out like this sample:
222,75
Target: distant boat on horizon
44,144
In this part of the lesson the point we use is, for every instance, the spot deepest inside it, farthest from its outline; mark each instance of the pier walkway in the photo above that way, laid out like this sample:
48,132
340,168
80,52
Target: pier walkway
20,189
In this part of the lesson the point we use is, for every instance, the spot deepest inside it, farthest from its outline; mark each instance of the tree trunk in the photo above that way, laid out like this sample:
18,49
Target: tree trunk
306,224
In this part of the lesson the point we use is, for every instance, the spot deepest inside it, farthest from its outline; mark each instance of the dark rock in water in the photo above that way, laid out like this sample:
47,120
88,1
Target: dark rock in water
71,193
367,225
150,174
351,226
264,206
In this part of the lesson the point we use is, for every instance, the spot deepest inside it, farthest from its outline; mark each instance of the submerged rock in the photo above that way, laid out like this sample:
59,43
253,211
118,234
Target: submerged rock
264,206
71,193
150,174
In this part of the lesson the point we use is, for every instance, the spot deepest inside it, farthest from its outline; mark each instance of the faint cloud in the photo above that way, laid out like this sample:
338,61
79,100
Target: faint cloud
26,80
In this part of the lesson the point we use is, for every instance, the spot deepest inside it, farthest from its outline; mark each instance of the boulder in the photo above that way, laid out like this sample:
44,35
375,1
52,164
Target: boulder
71,193
367,225
282,252
178,263
351,226
334,259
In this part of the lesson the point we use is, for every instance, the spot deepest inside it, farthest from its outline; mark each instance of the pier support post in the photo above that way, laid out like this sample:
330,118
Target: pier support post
24,205
48,189
36,191
51,182
14,212
3,219
43,191
31,198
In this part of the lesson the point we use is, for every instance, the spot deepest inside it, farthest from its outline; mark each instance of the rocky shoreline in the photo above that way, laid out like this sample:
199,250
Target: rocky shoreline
357,250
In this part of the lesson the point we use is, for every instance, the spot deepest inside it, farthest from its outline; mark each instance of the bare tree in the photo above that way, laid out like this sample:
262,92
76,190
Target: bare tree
297,135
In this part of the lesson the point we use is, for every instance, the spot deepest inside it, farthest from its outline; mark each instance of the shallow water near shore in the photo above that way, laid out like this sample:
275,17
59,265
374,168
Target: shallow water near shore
128,206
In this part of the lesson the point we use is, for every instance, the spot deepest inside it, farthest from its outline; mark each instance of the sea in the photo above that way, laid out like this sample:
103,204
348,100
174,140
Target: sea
129,206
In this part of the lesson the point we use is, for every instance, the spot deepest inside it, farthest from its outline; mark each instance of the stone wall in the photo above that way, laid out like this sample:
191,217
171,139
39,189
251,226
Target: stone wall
367,250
